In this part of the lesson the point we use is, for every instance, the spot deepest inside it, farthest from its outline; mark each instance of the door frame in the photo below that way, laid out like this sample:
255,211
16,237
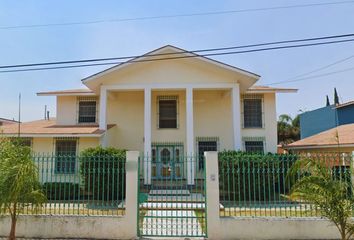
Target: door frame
157,164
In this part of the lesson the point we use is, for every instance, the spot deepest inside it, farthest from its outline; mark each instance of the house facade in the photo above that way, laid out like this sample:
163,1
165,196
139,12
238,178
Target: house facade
5,121
322,119
166,104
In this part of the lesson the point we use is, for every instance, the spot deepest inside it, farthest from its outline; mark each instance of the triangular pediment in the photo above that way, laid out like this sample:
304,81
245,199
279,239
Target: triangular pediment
171,64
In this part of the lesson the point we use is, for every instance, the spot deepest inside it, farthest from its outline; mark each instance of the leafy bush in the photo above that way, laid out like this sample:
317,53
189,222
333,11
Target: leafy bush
252,176
61,190
103,171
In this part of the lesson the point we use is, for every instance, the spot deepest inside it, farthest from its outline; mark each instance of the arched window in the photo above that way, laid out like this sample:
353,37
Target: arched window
165,156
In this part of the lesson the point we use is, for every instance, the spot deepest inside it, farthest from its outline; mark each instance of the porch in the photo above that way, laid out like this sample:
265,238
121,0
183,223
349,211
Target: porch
168,123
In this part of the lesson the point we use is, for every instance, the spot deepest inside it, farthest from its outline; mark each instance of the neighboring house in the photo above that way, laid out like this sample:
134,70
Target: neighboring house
339,139
164,108
4,121
325,118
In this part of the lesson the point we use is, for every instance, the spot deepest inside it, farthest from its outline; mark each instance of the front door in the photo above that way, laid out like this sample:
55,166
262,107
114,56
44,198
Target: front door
168,161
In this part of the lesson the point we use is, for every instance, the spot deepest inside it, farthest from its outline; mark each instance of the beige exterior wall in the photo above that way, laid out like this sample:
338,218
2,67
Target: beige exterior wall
126,110
212,108
177,71
66,110
169,135
269,130
47,145
213,116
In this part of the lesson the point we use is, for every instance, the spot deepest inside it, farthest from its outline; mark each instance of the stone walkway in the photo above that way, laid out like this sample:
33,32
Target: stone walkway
171,223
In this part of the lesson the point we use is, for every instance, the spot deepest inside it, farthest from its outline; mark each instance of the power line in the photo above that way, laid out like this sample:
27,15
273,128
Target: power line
177,15
321,68
301,77
182,57
183,52
312,77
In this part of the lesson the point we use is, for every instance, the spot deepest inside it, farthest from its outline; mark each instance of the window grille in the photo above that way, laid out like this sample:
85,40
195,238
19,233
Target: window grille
167,111
23,141
252,110
205,144
87,110
254,144
65,151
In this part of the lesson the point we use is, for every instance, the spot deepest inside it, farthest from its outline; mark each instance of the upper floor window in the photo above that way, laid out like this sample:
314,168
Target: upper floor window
65,151
167,112
252,111
87,110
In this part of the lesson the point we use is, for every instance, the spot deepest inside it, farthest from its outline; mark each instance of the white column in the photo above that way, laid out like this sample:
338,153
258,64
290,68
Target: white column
236,116
147,135
212,194
190,136
103,115
131,190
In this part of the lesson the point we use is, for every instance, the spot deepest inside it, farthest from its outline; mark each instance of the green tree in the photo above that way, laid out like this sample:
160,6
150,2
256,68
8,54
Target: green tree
330,194
288,129
19,185
336,98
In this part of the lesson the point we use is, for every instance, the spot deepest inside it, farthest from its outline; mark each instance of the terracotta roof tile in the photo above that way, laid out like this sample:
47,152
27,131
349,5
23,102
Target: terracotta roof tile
43,127
267,88
342,135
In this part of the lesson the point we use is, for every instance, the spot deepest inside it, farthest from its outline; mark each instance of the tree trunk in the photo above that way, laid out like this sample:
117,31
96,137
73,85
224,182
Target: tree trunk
342,233
12,235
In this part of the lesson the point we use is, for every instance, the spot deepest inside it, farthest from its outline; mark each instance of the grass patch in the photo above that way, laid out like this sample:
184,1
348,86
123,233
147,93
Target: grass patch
201,216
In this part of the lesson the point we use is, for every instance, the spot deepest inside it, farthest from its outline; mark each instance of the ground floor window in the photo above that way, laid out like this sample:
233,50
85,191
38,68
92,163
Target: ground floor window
254,144
205,144
65,152
23,141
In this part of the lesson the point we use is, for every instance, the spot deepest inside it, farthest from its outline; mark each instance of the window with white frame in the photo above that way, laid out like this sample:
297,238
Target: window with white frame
65,152
167,112
252,110
254,144
87,110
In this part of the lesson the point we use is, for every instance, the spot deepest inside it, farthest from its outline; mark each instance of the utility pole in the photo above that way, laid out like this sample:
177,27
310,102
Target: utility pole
19,115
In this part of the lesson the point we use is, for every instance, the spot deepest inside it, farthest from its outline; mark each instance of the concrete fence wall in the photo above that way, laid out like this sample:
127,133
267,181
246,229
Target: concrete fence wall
125,227
100,227
257,228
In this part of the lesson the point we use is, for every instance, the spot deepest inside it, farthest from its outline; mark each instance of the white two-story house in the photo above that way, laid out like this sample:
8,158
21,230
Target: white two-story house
166,103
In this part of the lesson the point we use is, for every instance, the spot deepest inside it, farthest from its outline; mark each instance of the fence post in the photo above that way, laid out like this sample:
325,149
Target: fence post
212,194
131,191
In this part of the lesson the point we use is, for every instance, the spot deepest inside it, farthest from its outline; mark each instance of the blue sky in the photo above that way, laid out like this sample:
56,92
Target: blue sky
137,37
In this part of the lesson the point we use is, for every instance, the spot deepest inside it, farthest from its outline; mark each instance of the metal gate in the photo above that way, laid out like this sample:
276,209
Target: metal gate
172,206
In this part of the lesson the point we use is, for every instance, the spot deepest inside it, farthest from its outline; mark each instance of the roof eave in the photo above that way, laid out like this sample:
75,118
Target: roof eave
66,94
319,146
49,135
272,91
